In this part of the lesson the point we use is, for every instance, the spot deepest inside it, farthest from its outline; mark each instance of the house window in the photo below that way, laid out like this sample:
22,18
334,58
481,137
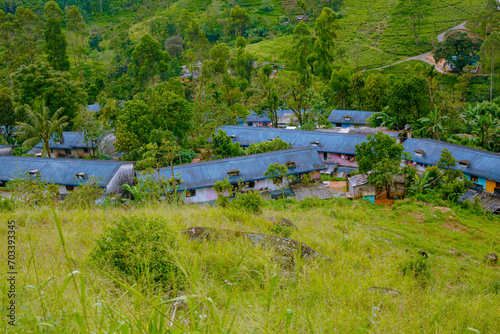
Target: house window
85,150
497,184
277,181
3,184
250,184
70,188
67,152
191,193
474,179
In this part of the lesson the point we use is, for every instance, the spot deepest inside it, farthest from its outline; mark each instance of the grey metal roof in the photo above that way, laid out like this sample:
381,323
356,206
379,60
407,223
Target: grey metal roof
253,117
357,117
362,131
94,107
481,163
71,139
6,146
251,167
328,141
58,171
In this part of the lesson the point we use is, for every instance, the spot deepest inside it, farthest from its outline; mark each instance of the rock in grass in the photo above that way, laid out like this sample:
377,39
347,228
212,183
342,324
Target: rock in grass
284,246
287,223
491,258
387,291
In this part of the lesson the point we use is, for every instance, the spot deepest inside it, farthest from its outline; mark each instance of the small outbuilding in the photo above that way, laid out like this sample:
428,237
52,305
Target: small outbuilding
5,150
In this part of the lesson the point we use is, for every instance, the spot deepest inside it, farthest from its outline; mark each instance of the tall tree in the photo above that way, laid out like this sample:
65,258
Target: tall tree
265,94
458,48
149,60
340,83
56,88
41,125
491,48
381,155
55,39
238,20
325,28
412,13
408,100
375,92
7,114
76,25
19,37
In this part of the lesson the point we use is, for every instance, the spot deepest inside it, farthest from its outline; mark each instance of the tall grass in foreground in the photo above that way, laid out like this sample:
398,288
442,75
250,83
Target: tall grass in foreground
233,286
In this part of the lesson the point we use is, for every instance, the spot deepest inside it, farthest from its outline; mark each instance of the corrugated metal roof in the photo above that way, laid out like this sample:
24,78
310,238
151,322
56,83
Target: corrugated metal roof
93,107
250,167
362,131
5,146
359,179
253,117
71,139
58,171
328,141
357,117
481,163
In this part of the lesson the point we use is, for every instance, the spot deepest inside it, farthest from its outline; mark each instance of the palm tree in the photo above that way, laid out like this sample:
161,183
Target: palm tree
432,124
40,125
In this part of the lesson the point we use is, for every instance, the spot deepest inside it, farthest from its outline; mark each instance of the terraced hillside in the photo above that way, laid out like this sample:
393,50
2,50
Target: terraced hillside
372,38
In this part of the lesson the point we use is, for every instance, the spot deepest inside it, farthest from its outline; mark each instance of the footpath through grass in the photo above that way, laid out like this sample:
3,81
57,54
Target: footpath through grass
234,285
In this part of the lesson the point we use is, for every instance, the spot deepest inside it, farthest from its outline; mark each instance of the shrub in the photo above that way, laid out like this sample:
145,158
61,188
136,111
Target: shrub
140,248
281,230
7,204
224,190
30,190
453,190
251,201
85,195
418,268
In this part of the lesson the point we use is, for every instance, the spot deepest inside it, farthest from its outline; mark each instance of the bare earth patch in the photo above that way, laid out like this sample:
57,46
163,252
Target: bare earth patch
441,208
455,227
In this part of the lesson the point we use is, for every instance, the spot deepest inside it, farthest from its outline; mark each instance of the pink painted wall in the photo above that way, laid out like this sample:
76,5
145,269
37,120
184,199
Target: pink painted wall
338,158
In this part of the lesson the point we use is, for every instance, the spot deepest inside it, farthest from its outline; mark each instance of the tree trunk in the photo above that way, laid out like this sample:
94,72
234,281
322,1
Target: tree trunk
492,80
46,149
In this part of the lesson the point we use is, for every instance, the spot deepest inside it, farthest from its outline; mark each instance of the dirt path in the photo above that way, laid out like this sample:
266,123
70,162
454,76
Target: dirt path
428,57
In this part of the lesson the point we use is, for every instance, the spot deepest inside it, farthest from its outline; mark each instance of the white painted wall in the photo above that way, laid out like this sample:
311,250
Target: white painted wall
124,175
6,151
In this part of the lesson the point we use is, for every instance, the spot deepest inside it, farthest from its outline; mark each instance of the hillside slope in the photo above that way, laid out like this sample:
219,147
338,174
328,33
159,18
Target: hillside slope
372,38
234,284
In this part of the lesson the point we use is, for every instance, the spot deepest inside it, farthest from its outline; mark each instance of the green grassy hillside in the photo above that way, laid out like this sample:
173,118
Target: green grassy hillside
232,285
372,38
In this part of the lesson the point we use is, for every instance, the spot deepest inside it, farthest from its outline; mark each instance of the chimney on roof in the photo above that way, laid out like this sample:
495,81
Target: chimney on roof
232,136
34,172
80,176
290,164
233,172
464,163
315,143
419,153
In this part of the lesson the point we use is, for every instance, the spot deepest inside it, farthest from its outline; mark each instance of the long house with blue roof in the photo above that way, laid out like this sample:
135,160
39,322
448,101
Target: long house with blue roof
331,147
349,118
71,144
480,167
198,179
253,119
67,173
